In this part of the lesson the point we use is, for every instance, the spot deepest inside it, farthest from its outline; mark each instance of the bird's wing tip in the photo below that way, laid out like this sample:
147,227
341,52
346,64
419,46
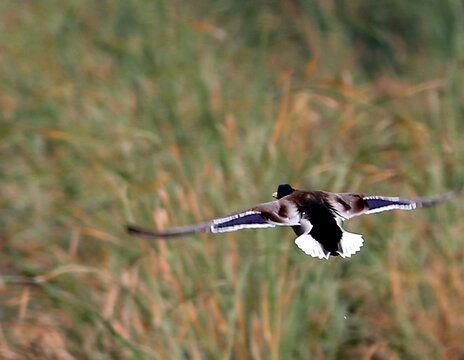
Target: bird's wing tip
131,228
137,230
453,193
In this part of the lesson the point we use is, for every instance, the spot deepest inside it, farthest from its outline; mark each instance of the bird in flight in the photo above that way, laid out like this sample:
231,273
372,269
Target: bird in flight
315,216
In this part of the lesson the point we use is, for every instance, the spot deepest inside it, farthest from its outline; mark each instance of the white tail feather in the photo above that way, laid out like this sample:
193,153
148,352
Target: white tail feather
311,247
350,244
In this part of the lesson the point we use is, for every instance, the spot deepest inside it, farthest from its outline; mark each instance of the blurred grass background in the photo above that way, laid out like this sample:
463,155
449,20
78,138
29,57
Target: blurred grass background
165,113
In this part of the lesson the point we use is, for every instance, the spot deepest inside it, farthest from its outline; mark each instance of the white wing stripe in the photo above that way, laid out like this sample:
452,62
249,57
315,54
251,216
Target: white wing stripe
381,203
232,217
238,227
391,207
228,224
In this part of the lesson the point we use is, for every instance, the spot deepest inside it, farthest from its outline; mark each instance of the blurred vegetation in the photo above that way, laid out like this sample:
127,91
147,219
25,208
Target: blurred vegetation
169,112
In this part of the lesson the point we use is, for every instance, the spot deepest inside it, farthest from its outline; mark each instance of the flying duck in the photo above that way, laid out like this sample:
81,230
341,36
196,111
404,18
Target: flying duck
315,216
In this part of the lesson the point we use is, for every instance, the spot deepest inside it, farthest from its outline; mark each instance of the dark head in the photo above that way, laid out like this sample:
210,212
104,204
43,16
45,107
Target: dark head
283,190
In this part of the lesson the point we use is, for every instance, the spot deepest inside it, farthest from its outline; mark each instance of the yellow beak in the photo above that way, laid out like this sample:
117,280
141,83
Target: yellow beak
275,195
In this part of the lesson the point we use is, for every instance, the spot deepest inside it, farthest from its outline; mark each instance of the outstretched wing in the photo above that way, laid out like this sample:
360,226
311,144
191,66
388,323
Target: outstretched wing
245,220
264,215
351,205
381,203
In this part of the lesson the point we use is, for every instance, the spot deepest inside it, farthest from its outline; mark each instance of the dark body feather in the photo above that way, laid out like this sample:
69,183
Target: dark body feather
325,228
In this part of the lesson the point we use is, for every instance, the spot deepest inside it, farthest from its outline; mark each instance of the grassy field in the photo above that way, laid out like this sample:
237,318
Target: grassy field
164,113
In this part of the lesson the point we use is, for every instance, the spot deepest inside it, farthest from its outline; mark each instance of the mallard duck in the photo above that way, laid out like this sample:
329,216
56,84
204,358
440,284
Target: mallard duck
315,216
